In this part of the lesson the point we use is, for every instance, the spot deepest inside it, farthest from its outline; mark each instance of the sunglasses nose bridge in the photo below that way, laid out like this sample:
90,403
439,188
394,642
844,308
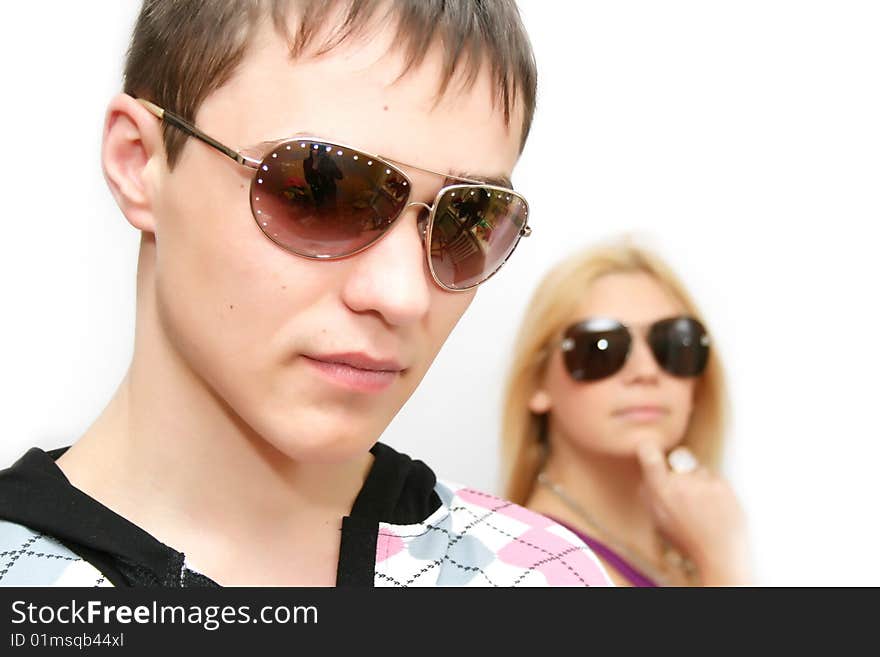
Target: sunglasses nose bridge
423,214
641,357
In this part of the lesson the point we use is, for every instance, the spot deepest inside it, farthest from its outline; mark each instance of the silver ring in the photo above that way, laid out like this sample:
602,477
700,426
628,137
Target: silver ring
682,460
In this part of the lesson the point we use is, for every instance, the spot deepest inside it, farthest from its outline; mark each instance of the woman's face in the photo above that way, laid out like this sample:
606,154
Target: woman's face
640,402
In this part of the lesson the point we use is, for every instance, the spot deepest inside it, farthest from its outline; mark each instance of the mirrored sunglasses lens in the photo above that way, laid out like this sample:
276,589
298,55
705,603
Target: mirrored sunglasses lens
595,349
475,230
680,345
322,200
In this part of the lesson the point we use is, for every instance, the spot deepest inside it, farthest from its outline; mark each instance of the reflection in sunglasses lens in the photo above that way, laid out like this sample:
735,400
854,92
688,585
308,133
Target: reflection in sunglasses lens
321,200
475,230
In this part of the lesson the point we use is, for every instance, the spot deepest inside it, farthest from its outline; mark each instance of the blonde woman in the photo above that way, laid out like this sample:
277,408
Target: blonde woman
614,420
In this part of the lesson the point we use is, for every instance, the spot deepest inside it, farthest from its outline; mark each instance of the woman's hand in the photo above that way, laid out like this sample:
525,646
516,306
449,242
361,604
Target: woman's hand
698,512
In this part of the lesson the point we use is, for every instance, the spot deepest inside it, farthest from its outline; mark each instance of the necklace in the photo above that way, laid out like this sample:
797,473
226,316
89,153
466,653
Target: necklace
672,556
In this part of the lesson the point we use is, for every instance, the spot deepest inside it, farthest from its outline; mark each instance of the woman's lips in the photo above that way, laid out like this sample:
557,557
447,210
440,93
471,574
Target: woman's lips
356,371
641,413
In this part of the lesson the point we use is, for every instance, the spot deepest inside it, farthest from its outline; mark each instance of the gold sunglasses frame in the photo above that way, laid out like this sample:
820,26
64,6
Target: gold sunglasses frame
246,157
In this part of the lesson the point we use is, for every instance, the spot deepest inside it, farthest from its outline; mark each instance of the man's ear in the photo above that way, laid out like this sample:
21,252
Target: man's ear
540,402
131,154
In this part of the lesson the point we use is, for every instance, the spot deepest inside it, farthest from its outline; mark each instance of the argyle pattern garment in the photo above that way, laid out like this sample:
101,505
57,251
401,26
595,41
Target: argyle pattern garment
29,558
473,539
477,539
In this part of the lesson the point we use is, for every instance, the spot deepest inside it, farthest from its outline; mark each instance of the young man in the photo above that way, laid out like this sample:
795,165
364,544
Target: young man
293,288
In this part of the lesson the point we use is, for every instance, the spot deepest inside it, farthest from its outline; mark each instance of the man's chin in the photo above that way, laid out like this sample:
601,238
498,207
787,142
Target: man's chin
322,445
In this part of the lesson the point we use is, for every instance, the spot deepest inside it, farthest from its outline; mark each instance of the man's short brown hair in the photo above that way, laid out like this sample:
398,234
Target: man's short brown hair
183,50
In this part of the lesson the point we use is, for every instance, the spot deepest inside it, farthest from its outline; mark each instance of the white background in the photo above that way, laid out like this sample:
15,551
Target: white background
740,139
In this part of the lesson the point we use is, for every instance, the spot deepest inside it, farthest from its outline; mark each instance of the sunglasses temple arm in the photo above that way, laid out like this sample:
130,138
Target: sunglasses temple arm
181,124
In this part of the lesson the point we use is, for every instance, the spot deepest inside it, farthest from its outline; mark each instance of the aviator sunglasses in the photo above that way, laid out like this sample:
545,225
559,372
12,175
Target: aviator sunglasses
323,200
598,347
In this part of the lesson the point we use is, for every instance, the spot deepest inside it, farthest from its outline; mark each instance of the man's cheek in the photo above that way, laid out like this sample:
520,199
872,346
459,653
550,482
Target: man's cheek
445,316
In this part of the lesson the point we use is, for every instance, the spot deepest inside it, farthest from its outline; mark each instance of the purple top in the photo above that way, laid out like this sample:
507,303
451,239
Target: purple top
620,564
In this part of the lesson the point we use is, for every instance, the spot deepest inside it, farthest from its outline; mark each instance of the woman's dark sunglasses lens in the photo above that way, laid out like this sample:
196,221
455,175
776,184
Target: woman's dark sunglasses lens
322,200
595,348
475,230
680,345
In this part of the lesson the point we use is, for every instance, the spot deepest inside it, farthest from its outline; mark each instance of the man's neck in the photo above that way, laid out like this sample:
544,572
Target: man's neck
169,454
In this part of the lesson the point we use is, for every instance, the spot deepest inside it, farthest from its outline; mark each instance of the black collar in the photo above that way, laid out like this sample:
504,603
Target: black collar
35,492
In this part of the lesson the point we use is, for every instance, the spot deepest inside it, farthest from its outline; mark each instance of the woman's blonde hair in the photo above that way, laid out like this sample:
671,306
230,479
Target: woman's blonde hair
552,306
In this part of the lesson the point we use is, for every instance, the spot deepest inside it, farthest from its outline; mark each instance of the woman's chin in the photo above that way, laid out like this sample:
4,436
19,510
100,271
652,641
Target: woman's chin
627,443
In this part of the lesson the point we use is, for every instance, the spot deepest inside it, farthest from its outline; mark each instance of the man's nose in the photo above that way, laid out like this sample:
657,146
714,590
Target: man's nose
391,276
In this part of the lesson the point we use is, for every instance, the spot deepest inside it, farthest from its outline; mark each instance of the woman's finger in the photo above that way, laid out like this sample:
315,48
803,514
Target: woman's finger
653,467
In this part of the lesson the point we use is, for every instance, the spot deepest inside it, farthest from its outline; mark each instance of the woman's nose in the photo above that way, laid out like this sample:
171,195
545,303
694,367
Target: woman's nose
641,366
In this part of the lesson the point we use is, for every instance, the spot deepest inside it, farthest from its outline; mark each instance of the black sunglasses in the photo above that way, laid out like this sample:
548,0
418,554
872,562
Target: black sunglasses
598,347
323,200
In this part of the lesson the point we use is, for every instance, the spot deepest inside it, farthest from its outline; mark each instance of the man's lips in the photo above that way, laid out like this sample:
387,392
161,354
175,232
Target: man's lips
360,360
357,372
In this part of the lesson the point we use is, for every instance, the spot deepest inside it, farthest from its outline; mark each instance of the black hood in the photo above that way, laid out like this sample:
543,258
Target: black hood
35,492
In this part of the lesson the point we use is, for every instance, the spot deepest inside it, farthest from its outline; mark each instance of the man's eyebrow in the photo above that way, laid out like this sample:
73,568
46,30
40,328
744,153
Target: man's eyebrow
296,135
498,181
